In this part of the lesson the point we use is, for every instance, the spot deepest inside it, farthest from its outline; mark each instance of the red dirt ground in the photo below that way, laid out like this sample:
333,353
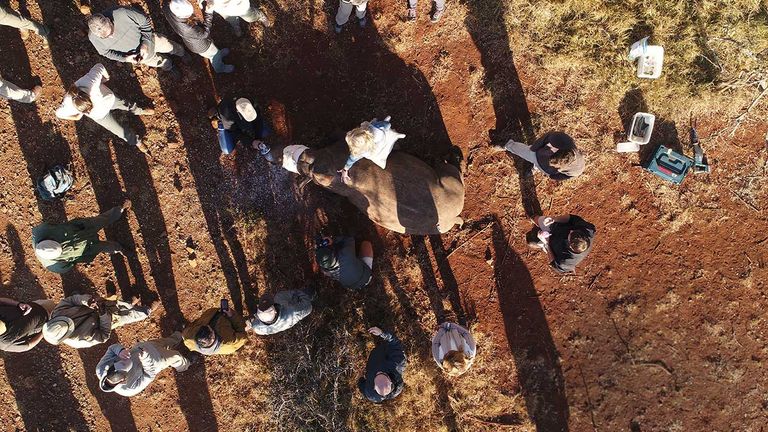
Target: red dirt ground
661,329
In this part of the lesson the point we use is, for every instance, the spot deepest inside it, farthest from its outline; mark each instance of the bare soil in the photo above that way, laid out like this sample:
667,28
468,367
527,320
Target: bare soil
662,328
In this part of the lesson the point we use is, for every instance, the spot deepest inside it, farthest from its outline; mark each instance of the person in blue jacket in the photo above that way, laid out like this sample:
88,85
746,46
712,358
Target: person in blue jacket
384,372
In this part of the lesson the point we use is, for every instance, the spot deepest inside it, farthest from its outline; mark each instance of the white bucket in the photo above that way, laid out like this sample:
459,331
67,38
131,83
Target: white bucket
641,128
650,58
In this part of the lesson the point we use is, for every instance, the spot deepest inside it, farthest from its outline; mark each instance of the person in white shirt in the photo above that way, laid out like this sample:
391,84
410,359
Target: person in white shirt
453,348
234,10
90,97
373,140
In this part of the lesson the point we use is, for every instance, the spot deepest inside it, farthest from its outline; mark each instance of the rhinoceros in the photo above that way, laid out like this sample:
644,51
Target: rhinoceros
408,197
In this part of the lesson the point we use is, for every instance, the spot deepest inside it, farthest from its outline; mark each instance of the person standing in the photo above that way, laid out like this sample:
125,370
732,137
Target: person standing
125,34
196,34
235,10
21,324
129,371
384,371
436,15
453,348
337,259
345,10
82,320
59,247
217,331
90,97
11,18
281,312
555,154
566,239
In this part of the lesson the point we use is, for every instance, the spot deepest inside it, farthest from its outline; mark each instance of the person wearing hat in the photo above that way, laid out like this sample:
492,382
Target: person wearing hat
90,97
125,34
129,371
82,320
241,118
384,371
234,10
217,331
281,312
373,140
555,154
337,259
21,324
196,34
59,247
566,239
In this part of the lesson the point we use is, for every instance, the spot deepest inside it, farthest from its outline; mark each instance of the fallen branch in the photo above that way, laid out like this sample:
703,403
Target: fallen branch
747,203
743,115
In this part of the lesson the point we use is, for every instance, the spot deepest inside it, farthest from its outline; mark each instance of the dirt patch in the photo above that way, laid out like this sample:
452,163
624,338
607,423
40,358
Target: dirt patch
661,328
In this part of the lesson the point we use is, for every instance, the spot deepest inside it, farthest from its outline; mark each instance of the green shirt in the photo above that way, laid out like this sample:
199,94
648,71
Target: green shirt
77,238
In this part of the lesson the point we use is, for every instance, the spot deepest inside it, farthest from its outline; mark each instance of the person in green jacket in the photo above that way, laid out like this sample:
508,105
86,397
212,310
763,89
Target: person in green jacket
59,247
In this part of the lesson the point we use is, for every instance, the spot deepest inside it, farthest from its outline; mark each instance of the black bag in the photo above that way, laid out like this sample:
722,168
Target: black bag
55,183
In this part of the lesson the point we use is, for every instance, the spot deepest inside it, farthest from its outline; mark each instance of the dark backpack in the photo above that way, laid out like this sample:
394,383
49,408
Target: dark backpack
55,183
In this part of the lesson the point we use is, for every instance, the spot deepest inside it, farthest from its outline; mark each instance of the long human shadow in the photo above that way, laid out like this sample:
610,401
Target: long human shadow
529,337
43,394
41,145
664,131
450,289
194,399
486,24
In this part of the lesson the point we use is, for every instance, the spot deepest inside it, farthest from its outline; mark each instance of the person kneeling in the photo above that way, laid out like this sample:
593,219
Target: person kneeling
282,312
337,259
217,331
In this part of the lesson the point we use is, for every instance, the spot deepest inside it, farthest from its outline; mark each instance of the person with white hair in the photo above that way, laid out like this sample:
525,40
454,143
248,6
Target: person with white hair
235,10
281,312
129,371
195,33
238,119
125,34
373,140
59,247
384,371
83,320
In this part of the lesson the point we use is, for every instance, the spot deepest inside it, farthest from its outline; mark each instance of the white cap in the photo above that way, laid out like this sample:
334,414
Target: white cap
291,155
48,250
246,109
181,8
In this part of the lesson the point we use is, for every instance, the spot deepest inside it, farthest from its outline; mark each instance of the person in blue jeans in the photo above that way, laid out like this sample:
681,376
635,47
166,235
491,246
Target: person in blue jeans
239,119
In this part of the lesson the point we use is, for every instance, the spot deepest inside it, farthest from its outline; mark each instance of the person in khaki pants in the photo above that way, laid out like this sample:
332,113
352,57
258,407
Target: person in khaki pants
345,10
11,18
129,371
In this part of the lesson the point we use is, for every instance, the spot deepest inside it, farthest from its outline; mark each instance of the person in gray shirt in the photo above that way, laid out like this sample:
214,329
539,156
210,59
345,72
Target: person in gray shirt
125,34
337,259
281,312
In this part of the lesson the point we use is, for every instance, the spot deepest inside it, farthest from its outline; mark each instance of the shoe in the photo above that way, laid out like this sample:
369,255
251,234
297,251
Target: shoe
142,148
126,206
363,21
337,28
436,16
85,9
224,68
154,305
536,244
36,92
147,112
411,14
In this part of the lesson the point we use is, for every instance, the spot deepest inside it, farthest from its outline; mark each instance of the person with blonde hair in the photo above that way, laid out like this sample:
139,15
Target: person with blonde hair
453,348
372,140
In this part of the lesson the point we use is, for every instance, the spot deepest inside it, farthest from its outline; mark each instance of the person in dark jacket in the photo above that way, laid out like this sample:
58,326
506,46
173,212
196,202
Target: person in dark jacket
21,324
337,259
242,118
196,34
566,239
125,34
555,154
59,247
384,371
